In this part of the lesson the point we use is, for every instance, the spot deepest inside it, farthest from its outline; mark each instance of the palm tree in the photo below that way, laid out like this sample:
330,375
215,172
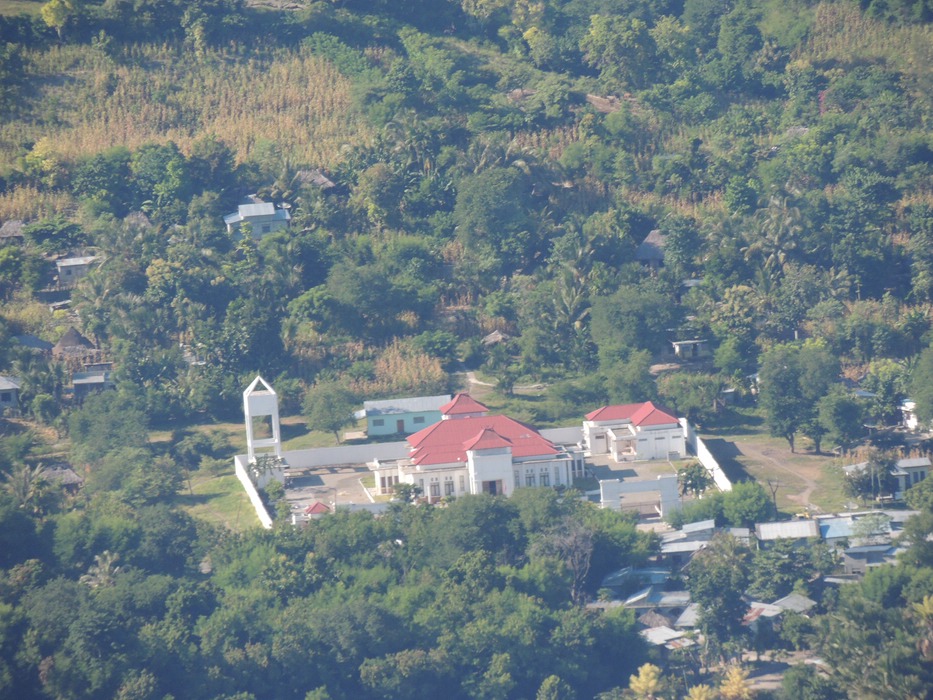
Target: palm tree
101,574
29,489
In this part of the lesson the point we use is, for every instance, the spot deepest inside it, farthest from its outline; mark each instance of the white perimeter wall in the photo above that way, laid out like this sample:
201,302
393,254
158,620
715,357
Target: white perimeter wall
239,464
345,454
564,436
706,458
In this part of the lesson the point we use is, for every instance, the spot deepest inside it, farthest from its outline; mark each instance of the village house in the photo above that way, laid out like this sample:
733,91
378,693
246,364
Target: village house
694,349
90,382
402,416
262,217
906,472
9,395
797,530
635,431
650,252
70,270
471,452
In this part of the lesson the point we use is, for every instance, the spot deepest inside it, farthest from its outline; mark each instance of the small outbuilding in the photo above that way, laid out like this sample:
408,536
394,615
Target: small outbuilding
263,218
9,394
70,270
402,416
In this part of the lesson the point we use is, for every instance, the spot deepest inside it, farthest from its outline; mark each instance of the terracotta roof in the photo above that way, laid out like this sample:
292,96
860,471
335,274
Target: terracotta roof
486,439
316,508
449,440
636,413
462,403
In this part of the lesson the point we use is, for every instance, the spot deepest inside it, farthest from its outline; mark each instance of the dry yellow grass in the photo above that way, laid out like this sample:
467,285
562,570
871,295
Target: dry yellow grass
158,94
28,203
841,32
85,103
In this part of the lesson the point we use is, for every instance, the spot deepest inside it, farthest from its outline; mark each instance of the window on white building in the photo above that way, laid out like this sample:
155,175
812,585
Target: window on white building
378,422
435,489
545,477
417,419
529,478
462,483
449,487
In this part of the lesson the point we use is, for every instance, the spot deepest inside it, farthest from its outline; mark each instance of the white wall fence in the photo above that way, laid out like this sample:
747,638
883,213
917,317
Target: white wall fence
705,457
564,436
345,454
239,464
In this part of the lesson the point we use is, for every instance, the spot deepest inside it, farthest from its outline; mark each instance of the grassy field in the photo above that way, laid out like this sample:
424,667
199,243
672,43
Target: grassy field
11,8
220,500
745,450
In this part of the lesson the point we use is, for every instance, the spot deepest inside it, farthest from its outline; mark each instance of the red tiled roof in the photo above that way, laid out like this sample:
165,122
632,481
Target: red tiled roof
486,439
462,403
618,412
448,441
637,413
316,508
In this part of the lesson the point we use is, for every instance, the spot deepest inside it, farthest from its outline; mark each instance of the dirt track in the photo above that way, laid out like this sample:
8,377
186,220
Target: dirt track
777,459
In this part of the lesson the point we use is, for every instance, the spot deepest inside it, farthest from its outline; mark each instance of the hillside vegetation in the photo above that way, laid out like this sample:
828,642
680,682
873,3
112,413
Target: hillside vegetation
451,169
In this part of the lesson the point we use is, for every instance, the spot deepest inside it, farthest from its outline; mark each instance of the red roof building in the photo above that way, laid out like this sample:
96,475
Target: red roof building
463,406
634,431
476,454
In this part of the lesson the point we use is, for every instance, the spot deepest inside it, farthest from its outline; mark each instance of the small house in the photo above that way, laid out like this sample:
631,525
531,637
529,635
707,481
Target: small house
402,416
906,472
858,560
11,231
650,253
72,345
70,270
9,395
262,217
694,349
631,432
63,475
909,471
86,383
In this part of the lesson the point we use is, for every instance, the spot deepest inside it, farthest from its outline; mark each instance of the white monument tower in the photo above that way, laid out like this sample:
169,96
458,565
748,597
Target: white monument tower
259,401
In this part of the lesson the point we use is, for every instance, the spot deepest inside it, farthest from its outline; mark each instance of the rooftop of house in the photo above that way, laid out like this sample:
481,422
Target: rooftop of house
62,474
656,597
787,530
72,339
638,414
8,383
448,441
900,466
33,342
260,209
795,603
463,404
77,261
417,404
11,229
652,248
90,378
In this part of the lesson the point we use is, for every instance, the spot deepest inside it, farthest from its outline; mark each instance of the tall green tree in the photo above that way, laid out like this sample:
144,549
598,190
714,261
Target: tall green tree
794,377
329,406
